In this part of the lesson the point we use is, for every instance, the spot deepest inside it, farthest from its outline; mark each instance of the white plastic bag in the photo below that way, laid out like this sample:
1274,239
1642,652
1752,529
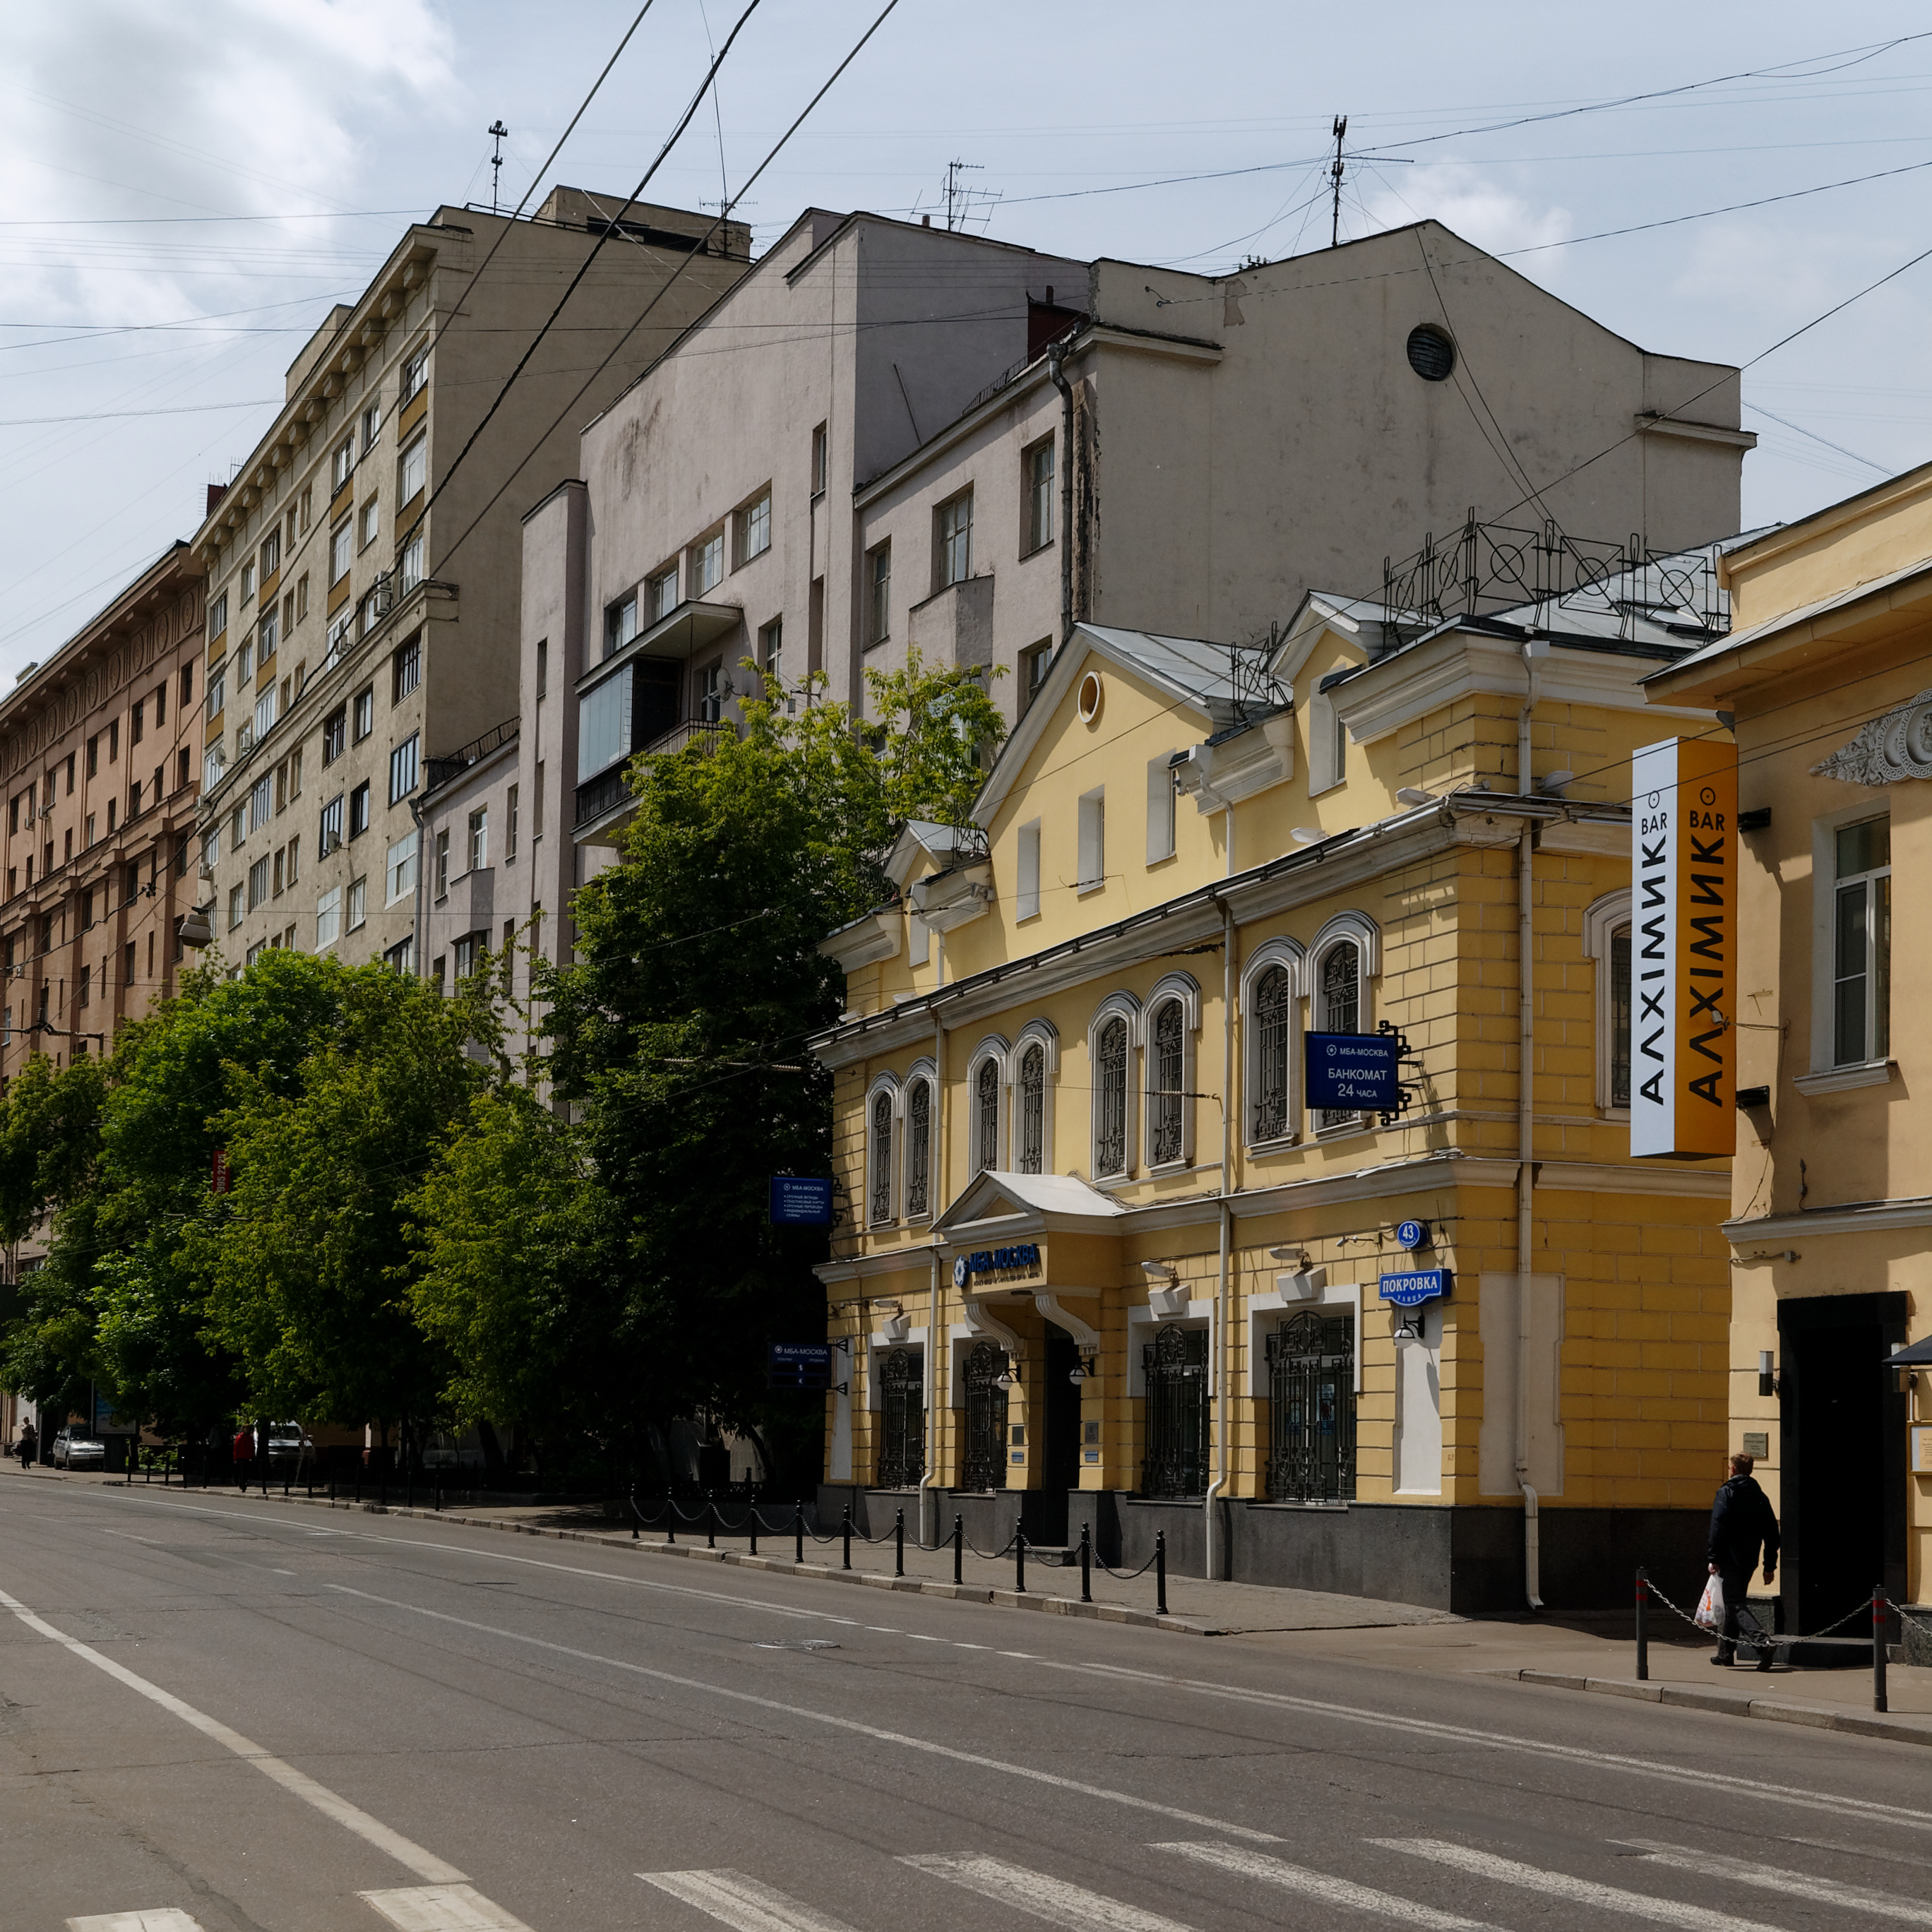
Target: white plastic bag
1711,1605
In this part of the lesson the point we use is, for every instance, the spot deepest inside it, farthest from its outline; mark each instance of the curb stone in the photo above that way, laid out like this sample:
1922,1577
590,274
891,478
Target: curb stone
1730,1704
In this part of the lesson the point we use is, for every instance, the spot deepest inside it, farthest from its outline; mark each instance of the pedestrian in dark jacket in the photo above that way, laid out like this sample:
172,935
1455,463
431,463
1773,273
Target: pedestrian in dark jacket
1742,1523
29,1445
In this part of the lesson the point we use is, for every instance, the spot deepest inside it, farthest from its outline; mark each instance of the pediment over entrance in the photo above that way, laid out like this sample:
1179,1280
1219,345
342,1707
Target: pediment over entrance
997,1202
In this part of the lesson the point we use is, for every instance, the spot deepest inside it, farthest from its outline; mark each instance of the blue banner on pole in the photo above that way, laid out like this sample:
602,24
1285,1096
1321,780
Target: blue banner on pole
801,1201
1355,1072
1421,1285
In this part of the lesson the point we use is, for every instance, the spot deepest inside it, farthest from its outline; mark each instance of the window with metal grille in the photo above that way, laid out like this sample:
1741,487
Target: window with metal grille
1620,1017
1165,1097
882,1158
983,1466
1269,1118
1341,1007
1110,1099
918,1146
1031,1158
1175,1463
986,1117
902,1442
1311,1391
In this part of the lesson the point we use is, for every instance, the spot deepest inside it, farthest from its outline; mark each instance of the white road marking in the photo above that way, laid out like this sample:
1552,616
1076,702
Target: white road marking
410,1856
167,1918
873,1731
743,1902
1573,1890
1791,1884
1052,1899
442,1908
1330,1890
1759,1792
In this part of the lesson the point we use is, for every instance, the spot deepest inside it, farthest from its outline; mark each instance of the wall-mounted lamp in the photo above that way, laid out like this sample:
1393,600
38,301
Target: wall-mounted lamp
1006,1378
1767,1372
1414,795
1083,1370
1299,1256
1307,835
1408,1334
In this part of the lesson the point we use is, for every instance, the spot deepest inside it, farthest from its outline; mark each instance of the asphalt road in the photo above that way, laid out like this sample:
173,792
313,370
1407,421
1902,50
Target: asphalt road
254,1715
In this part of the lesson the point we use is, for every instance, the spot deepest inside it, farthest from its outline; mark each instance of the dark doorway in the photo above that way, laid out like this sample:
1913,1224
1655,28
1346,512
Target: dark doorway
655,709
1060,1452
1842,1449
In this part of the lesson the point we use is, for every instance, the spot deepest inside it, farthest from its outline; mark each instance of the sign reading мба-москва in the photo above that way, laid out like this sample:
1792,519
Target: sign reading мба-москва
1684,918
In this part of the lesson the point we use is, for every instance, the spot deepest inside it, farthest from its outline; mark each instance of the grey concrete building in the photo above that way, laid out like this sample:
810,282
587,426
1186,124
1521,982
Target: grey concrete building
363,569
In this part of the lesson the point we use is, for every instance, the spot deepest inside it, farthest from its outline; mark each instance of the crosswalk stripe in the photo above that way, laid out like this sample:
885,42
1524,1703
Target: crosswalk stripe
164,1918
1773,1878
1576,1891
743,1902
1321,1884
442,1908
1052,1899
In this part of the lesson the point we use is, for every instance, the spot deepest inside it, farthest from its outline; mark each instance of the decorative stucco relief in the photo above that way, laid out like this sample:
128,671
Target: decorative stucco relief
1898,745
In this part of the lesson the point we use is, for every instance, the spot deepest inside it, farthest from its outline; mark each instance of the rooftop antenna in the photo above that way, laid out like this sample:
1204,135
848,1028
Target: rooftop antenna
502,134
1335,168
955,189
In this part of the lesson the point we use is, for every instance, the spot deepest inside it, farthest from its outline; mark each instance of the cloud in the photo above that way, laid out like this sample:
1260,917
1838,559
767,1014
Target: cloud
1476,207
117,108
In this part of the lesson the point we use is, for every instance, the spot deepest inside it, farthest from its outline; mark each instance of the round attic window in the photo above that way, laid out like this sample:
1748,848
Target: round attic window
1090,698
1432,355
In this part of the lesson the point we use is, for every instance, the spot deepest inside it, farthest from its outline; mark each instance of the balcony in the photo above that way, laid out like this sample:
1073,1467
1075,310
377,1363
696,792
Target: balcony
603,802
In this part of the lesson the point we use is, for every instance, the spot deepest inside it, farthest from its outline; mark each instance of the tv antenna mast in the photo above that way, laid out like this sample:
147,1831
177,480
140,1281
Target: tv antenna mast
1335,171
956,194
502,134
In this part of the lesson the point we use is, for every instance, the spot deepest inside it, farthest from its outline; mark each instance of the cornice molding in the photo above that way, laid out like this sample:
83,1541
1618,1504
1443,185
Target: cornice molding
1862,1217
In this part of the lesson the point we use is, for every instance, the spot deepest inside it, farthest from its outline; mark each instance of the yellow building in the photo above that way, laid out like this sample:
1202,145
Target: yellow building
1825,672
1103,1261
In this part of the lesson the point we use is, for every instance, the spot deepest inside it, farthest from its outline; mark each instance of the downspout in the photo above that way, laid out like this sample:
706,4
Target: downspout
1218,1345
927,1492
1525,1184
1056,374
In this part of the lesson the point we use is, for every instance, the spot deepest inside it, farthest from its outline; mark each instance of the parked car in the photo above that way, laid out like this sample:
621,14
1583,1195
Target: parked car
289,1443
77,1449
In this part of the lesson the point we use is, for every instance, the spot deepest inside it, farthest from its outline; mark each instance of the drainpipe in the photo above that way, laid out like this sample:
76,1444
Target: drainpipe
1526,1130
1218,1344
1056,374
928,1493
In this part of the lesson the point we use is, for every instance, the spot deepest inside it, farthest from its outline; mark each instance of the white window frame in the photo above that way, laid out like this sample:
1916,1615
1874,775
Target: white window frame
1603,919
886,1084
1042,1032
1287,954
368,522
952,545
1180,989
1826,1068
707,563
1160,808
412,470
1040,491
1327,745
341,550
1027,864
661,593
1092,849
753,535
399,867
1122,1005
994,1050
328,918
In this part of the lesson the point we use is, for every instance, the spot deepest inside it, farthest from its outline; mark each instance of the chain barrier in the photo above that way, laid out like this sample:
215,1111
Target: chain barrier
1860,1609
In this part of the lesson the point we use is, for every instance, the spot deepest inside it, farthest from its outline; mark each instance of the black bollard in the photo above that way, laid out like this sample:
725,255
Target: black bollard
848,1537
958,1550
1160,1573
1086,1564
408,1481
754,1550
634,1512
1019,1560
439,1491
798,1532
1642,1625
671,1514
711,1518
898,1542
1879,1621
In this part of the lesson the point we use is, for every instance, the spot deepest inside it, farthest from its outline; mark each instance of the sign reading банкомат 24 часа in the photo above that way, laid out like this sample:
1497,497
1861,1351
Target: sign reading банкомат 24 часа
1347,1071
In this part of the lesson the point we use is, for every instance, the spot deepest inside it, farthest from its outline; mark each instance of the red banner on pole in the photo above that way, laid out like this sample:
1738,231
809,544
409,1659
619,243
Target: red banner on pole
218,1178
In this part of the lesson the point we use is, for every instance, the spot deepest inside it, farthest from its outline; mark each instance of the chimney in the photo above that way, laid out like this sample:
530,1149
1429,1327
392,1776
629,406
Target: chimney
216,491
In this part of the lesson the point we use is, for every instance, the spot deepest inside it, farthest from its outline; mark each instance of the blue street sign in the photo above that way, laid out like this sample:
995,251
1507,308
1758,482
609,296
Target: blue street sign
1411,1234
1354,1071
802,1365
801,1201
1411,1290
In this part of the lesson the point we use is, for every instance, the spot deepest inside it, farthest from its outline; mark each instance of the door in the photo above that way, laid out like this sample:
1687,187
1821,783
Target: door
1842,1448
984,1466
655,709
1060,1464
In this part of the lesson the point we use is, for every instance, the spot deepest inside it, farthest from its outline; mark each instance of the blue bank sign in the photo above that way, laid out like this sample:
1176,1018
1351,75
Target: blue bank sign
800,1365
1420,1285
1351,1071
801,1201
1020,1258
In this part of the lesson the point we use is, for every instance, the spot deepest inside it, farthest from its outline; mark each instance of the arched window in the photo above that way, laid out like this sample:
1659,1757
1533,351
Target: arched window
1030,1156
986,1117
1110,1111
1270,1120
882,1158
1166,1078
1341,1002
919,1149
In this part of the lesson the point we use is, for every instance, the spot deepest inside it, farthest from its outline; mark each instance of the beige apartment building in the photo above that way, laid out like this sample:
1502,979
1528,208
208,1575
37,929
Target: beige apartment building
362,567
100,753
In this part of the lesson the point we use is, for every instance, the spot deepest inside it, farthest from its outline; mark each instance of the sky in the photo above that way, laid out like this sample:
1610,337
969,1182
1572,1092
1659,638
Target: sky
187,191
